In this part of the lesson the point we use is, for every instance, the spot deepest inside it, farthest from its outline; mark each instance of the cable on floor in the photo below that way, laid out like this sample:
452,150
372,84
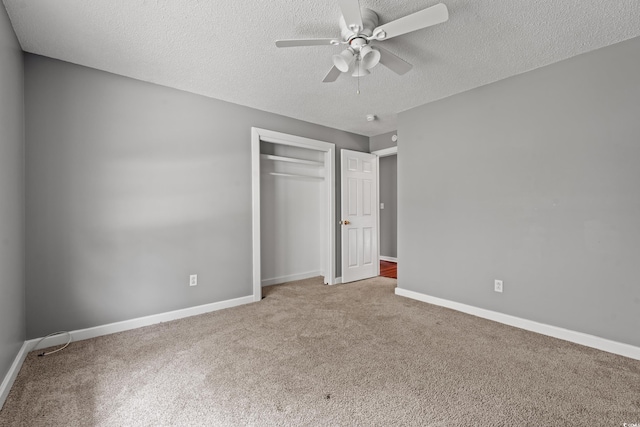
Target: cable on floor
56,350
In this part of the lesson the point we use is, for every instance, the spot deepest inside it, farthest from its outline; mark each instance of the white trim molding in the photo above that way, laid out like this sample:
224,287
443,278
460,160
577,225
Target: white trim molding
10,378
111,328
391,151
126,325
290,278
388,258
592,341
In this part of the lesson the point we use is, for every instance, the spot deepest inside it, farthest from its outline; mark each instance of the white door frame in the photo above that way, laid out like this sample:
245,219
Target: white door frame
385,152
328,149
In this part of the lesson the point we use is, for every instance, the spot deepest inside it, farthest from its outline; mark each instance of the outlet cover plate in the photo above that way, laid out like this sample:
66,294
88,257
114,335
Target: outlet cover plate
193,280
497,285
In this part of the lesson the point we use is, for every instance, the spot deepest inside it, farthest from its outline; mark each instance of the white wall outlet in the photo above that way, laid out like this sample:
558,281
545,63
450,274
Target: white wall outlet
193,280
381,205
497,285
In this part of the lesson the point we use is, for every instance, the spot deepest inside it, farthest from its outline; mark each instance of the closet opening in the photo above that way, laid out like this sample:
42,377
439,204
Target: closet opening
293,209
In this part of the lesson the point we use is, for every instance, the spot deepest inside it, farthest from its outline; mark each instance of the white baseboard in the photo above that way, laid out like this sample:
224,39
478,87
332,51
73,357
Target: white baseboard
337,281
290,278
388,258
5,387
111,328
125,325
593,341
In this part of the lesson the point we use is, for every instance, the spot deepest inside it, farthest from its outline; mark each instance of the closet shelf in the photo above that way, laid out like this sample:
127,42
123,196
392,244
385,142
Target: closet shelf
291,160
293,175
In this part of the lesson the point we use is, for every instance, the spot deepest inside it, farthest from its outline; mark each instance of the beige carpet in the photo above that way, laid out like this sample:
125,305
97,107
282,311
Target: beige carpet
310,354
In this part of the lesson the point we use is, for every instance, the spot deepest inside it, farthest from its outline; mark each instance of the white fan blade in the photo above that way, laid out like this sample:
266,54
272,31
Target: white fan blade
351,13
392,62
333,75
416,21
306,42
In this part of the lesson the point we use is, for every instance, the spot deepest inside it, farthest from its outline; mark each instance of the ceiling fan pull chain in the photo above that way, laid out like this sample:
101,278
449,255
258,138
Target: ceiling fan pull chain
358,90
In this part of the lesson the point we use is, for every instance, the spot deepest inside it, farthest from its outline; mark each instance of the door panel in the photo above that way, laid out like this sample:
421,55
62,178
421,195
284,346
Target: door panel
353,247
367,254
359,215
353,197
367,197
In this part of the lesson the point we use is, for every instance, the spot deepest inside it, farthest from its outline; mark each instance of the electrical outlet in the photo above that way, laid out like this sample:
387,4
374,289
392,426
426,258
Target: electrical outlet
497,285
193,280
381,205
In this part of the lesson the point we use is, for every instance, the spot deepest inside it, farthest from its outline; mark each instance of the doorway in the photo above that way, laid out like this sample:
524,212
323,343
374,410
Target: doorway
388,185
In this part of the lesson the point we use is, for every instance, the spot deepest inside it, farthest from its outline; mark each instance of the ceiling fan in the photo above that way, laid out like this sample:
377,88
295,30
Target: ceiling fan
358,29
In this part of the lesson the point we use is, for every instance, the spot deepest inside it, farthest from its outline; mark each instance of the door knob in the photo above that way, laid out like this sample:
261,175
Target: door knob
346,222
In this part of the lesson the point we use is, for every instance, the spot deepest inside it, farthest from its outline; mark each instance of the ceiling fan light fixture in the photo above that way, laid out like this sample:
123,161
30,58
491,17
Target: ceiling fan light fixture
344,60
359,70
369,57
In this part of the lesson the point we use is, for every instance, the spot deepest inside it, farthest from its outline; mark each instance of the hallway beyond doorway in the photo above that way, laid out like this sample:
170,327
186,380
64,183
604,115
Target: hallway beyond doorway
389,269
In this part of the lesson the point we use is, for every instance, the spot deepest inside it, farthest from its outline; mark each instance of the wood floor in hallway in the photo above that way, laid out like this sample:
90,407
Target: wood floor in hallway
389,269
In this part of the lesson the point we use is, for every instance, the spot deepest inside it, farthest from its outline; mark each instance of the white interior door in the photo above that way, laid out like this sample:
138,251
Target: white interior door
359,222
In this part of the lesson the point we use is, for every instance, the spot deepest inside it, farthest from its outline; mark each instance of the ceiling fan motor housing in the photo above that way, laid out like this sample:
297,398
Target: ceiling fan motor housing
370,21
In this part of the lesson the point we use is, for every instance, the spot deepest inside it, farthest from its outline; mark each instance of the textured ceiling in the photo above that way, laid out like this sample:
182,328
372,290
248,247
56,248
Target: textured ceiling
226,50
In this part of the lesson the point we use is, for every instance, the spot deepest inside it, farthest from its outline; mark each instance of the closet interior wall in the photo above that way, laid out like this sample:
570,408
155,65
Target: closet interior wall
291,213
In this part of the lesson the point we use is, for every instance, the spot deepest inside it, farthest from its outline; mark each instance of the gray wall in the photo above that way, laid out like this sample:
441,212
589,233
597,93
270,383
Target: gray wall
533,180
389,215
379,142
12,304
131,187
